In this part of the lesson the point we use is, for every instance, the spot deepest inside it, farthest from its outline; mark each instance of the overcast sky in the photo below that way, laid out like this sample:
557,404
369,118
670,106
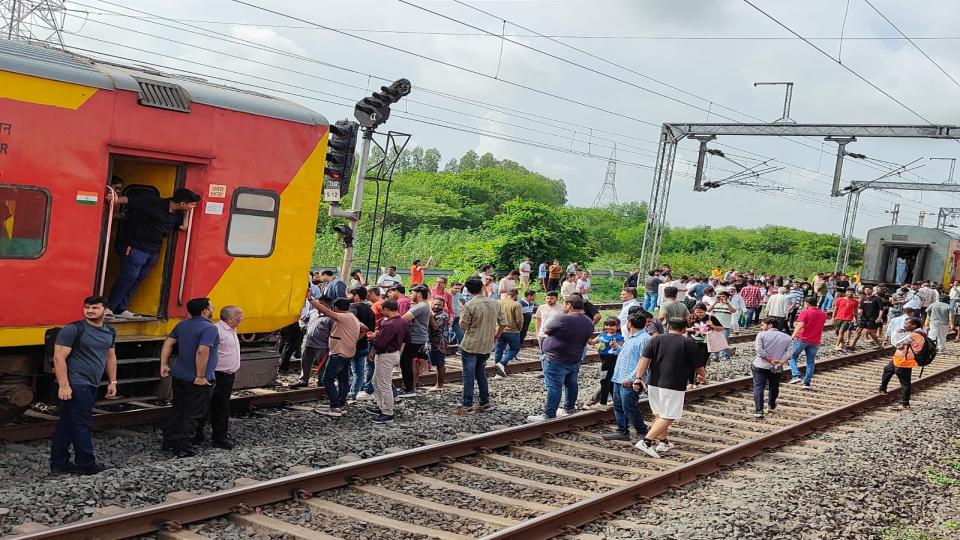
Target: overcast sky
677,43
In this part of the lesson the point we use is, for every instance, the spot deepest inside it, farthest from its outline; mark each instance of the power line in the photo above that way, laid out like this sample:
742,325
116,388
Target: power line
844,66
560,36
207,32
927,56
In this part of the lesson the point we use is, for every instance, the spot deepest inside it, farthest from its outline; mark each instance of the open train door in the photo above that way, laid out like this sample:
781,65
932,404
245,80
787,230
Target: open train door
133,177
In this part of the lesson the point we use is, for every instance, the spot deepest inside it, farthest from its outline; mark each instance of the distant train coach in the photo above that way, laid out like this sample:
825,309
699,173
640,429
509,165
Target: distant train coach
71,129
908,253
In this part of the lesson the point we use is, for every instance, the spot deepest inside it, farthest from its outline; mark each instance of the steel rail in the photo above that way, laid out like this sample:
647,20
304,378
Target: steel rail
31,431
153,518
565,519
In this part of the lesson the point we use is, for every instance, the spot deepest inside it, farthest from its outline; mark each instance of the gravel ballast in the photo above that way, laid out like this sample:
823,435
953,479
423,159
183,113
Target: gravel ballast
140,474
898,479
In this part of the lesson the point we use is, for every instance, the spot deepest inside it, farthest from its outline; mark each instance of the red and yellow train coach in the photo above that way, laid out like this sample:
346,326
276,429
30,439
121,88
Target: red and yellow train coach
68,125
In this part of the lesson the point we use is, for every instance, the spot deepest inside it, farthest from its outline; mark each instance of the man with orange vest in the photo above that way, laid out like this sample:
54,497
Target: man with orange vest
909,343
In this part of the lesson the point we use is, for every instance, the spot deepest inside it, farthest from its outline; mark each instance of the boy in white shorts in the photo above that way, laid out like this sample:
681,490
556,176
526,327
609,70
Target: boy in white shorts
670,357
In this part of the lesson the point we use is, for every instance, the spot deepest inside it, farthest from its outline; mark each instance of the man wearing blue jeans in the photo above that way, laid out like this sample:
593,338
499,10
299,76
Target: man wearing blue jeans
625,398
361,372
482,323
651,291
139,239
806,339
344,335
566,337
81,352
509,342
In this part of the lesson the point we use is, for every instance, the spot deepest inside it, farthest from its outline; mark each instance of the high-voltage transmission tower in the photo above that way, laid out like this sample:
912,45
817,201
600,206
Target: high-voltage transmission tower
608,192
32,20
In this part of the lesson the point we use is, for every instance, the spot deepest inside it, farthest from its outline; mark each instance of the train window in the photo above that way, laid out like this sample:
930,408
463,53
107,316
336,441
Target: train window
253,223
24,219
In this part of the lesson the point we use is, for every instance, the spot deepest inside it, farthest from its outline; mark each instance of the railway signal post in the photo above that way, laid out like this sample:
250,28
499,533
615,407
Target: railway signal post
370,112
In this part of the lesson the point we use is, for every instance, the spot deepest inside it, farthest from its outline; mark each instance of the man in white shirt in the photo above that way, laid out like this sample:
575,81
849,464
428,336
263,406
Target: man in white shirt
778,306
228,362
389,280
896,324
525,269
629,298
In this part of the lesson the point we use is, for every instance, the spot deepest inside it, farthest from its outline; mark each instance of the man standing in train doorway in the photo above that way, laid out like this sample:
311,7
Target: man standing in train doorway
149,220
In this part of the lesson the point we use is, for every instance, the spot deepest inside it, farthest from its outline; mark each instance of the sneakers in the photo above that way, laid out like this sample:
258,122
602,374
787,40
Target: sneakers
881,391
501,369
298,384
185,452
664,446
536,418
462,411
806,387
564,412
598,407
409,394
795,380
127,314
382,419
758,414
901,407
772,408
96,469
482,408
363,396
646,448
373,409
435,389
225,444
334,411
615,436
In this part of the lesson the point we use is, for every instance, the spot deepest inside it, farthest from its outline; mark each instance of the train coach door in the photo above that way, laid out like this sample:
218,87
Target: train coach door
138,177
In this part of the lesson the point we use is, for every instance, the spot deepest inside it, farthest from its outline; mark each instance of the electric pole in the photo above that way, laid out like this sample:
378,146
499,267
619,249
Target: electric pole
894,214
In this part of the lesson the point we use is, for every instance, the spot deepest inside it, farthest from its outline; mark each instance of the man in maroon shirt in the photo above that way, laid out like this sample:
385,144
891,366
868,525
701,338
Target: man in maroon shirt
387,343
806,338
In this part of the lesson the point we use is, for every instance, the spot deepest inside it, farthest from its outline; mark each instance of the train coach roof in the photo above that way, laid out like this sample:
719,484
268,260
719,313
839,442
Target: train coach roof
59,65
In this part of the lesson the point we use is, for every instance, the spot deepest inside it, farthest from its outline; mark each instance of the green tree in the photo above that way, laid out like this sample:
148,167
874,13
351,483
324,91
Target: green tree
452,166
431,160
487,161
533,229
469,161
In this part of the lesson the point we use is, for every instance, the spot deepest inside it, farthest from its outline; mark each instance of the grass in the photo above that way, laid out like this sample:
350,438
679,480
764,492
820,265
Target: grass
901,532
939,479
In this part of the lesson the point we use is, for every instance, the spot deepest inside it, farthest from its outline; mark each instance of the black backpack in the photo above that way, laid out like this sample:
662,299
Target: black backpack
50,339
927,353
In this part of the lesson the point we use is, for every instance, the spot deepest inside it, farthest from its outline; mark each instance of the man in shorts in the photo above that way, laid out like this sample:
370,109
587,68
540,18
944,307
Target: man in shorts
844,310
670,358
869,318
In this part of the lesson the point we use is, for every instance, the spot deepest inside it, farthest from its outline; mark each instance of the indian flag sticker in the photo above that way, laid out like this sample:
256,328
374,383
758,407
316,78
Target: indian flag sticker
86,197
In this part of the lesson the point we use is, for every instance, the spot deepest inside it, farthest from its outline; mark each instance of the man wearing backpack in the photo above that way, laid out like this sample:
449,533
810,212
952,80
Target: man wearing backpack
913,349
81,352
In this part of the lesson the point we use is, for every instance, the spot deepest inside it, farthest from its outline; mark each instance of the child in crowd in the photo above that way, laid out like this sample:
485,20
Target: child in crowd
608,347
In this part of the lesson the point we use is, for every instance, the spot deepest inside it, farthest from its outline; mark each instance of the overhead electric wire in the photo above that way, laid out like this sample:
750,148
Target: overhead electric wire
832,59
927,56
361,73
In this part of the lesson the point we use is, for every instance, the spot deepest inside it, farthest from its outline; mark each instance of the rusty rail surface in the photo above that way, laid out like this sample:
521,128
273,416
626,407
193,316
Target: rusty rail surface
153,518
564,519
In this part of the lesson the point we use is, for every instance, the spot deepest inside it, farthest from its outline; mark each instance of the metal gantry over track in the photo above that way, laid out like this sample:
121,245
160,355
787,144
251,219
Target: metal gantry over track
843,134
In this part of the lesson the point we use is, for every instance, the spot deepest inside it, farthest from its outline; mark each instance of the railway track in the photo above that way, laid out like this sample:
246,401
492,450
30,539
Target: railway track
136,411
532,481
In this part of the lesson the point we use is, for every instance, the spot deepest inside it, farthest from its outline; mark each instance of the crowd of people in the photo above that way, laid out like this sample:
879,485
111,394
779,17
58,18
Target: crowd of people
353,337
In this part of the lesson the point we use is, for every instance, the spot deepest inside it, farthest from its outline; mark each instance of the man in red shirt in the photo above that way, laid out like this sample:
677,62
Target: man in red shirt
806,338
844,310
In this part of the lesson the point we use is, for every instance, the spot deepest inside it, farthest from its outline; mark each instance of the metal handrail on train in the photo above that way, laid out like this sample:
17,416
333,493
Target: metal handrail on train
106,239
186,255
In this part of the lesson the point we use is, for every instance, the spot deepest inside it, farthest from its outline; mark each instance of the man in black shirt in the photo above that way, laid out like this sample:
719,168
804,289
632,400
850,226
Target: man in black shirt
670,357
360,366
870,317
149,219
